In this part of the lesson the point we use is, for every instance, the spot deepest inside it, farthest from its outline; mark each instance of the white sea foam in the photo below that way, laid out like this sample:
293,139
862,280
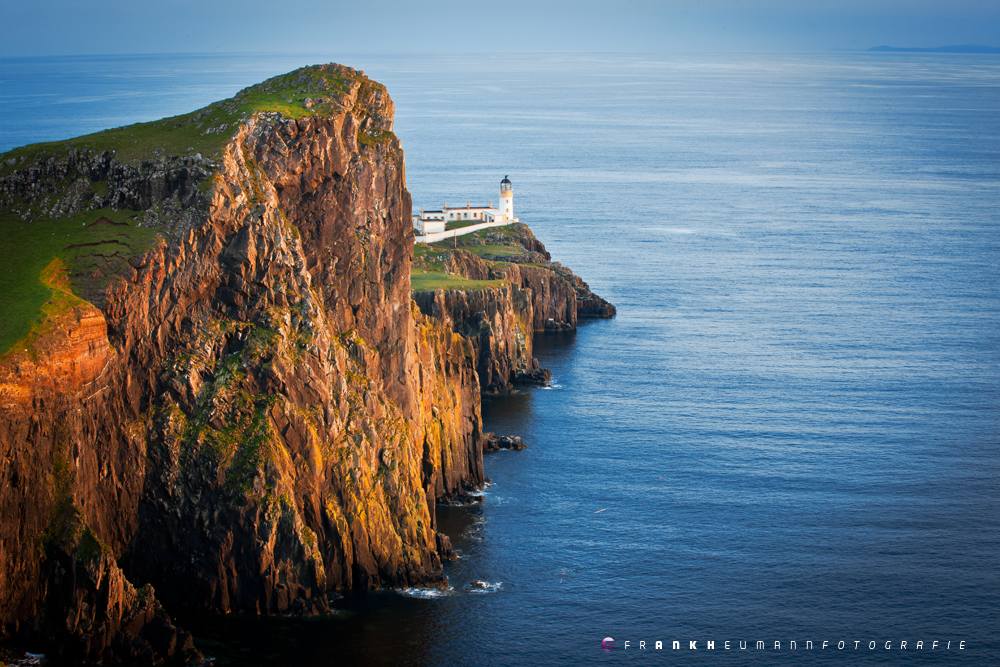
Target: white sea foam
425,593
474,531
486,587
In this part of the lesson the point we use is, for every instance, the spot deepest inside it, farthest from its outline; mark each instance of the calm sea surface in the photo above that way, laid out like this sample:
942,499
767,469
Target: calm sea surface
791,431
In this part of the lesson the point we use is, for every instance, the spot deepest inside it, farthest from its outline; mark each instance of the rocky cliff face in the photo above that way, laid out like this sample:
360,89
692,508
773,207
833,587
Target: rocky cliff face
245,416
230,401
558,296
535,295
497,321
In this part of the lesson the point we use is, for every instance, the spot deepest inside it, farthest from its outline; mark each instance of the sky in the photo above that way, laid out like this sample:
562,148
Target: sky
91,27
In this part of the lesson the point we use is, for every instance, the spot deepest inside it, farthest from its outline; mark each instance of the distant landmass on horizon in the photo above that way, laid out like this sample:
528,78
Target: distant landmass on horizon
958,48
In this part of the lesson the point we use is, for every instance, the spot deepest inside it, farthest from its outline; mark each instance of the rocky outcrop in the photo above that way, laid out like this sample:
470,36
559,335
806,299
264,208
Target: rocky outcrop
588,304
246,410
249,414
500,320
520,234
558,296
498,323
494,443
92,613
553,298
60,184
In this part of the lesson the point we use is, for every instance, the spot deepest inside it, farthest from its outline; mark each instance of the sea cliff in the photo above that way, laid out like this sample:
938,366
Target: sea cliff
217,389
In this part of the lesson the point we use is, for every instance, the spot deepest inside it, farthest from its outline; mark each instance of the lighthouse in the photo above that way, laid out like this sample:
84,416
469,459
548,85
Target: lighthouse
449,221
506,199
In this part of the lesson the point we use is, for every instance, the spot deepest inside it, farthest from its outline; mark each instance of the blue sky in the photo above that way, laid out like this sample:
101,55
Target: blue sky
69,27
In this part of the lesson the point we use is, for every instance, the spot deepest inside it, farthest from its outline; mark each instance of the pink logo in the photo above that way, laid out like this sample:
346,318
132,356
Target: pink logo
607,644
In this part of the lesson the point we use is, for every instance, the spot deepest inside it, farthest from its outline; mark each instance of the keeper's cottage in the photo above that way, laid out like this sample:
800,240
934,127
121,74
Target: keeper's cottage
434,225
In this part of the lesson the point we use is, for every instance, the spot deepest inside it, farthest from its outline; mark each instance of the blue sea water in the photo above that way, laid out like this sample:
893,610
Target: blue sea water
791,430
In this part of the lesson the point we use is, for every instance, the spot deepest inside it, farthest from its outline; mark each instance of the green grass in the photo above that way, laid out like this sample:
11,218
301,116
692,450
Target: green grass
496,250
458,224
432,281
428,272
101,251
509,231
510,234
431,258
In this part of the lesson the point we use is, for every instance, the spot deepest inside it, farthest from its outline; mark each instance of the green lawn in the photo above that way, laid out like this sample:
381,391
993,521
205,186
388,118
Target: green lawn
496,250
458,224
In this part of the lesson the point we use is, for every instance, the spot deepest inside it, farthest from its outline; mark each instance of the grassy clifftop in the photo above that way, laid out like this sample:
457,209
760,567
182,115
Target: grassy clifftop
433,266
309,91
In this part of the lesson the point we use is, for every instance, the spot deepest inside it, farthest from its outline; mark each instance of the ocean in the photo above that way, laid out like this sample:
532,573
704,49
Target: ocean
791,430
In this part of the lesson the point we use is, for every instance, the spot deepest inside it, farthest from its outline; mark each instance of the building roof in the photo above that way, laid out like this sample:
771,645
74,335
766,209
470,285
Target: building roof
459,210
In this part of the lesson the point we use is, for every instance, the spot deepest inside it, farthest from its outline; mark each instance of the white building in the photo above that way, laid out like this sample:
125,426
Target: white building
436,221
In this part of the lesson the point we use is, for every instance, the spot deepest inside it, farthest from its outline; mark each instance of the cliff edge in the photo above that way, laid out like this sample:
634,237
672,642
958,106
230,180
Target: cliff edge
214,379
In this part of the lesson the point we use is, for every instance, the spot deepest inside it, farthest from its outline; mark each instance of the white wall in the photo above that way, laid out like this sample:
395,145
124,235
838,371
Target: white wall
437,236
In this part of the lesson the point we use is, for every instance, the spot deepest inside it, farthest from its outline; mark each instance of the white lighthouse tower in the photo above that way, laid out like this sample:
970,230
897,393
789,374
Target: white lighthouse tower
506,199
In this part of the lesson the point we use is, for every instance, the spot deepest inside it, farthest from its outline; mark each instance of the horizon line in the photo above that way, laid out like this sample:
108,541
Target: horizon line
882,48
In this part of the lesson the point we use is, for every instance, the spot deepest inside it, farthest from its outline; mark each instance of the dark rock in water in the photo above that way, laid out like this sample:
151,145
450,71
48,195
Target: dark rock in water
444,547
18,658
459,499
536,377
321,605
494,443
481,585
594,306
553,325
440,582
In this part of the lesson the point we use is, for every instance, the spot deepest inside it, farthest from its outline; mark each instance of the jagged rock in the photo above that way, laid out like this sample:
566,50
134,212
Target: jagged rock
107,618
535,376
444,547
595,306
251,413
496,320
558,296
